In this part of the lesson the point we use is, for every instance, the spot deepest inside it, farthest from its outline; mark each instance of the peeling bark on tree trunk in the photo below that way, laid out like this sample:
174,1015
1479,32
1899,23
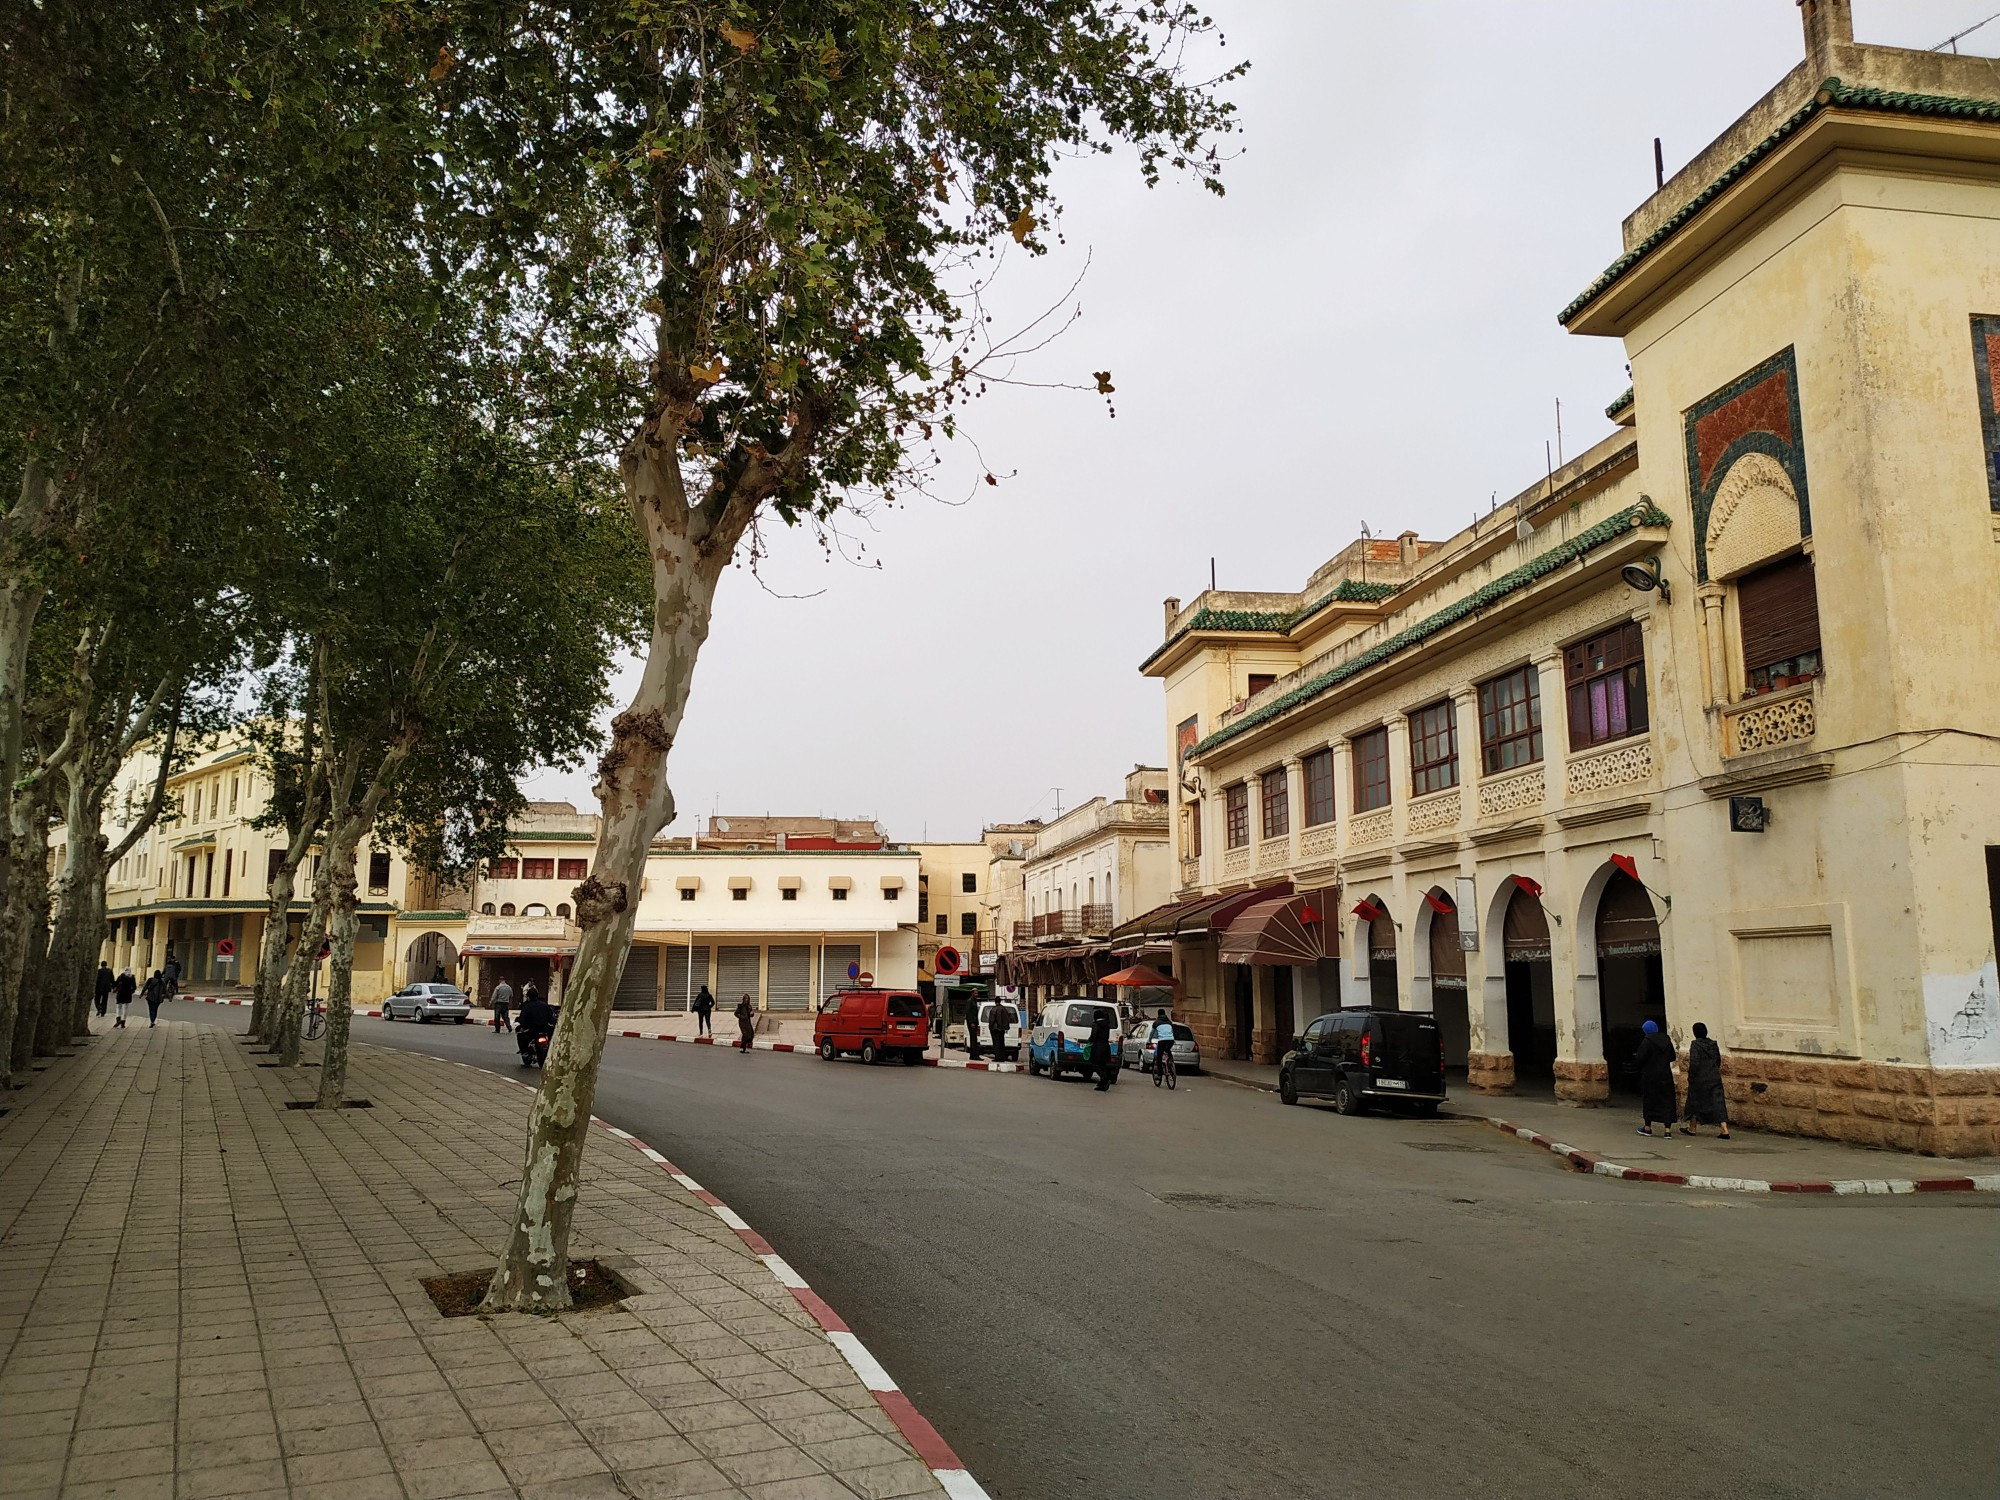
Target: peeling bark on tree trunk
271,955
298,977
34,955
17,923
533,1274
339,863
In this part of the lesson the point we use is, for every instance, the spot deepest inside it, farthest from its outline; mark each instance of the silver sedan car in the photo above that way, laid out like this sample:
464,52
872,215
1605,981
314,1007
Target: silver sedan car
427,1002
1138,1048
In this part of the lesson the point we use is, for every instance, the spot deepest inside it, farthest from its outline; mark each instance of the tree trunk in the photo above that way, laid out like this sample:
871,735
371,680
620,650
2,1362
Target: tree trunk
271,958
298,978
20,601
34,958
339,862
533,1274
17,927
77,931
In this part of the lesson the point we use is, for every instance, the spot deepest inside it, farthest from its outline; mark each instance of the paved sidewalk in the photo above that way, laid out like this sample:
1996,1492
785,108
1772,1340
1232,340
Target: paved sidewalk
1753,1159
206,1294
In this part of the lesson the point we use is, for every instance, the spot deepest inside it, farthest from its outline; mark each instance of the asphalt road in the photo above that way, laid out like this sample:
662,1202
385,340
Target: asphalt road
1205,1294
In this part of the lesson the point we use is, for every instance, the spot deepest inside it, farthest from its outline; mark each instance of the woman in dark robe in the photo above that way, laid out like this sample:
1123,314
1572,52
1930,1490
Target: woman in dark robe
1705,1105
1656,1080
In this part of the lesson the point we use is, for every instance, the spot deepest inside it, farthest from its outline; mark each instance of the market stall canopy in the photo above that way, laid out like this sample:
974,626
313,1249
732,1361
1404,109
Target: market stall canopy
1139,977
1290,929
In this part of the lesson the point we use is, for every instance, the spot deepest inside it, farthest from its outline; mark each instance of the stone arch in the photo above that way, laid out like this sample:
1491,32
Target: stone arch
506,908
425,952
534,909
1754,518
1439,982
1619,983
1373,978
1519,992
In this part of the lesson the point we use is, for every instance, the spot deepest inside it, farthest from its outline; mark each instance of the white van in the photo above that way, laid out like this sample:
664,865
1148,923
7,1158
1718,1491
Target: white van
954,1031
1062,1041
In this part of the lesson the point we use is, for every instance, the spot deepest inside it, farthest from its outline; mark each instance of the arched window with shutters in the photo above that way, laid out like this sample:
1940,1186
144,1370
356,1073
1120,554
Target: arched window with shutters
1777,625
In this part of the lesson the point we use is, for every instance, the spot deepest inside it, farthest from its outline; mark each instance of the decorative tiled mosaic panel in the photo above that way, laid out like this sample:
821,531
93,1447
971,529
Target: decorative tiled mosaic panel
1986,369
1758,412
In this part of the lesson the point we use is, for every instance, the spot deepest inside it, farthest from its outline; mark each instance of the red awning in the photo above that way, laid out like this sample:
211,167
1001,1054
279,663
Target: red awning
1282,930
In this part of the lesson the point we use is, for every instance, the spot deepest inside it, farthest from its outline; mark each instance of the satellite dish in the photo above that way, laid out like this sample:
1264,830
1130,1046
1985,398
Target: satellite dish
722,825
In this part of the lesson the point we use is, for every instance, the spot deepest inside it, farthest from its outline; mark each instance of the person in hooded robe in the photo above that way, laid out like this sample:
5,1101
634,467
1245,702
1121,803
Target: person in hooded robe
1705,1102
1656,1080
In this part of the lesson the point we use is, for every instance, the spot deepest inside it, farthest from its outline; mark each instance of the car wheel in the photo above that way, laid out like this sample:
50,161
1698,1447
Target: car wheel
1055,1064
1288,1091
868,1050
419,1017
827,1051
1347,1098
1114,1074
1033,1066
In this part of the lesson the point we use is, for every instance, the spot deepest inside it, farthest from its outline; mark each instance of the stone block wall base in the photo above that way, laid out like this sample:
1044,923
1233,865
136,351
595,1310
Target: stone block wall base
1932,1111
1490,1072
1213,1039
1582,1082
1267,1046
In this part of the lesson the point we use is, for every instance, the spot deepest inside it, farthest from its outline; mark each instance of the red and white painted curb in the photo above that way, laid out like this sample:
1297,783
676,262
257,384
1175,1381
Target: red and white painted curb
937,1455
1585,1161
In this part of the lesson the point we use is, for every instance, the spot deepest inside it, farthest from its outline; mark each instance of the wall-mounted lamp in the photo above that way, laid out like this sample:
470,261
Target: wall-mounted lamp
1646,577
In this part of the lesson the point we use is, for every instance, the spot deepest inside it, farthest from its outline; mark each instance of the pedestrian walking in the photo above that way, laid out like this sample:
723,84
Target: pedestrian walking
704,1007
1656,1080
105,981
124,991
155,992
170,978
1705,1104
746,1022
503,1001
1100,1048
998,1020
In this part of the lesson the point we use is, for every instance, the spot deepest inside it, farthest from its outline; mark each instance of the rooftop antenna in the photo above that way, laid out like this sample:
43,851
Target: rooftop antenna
1952,40
1559,431
1659,166
1059,802
1211,575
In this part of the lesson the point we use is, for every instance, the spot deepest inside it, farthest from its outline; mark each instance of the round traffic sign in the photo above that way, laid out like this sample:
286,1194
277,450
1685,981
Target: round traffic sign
947,961
854,971
226,948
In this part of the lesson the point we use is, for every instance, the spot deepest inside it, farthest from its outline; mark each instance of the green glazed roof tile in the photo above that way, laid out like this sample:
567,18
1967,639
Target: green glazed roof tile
1643,514
1830,94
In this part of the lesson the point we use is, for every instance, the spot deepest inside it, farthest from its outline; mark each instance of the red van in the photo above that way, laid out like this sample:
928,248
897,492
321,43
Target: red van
874,1023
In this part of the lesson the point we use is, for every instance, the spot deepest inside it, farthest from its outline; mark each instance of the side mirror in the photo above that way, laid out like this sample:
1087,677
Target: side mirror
1297,1042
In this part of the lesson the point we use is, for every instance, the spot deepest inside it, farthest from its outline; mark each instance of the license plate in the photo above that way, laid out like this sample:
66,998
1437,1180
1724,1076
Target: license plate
1390,1083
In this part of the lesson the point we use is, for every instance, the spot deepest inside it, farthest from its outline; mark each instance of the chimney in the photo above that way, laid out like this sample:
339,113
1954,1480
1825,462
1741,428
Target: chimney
1173,607
1406,544
1826,22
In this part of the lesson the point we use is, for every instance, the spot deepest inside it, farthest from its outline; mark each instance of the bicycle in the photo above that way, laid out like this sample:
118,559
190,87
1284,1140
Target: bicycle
1163,1069
315,1021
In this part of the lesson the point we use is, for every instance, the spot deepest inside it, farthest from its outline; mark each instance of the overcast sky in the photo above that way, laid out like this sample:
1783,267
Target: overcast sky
1362,330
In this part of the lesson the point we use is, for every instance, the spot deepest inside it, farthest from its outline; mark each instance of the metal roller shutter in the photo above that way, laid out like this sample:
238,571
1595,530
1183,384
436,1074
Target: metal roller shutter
736,975
638,986
789,977
834,959
680,992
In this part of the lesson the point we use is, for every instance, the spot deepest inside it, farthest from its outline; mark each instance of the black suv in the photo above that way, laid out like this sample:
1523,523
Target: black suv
1362,1057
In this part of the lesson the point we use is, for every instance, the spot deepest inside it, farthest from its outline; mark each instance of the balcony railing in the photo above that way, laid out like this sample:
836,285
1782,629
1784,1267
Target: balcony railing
1024,932
1097,919
1057,926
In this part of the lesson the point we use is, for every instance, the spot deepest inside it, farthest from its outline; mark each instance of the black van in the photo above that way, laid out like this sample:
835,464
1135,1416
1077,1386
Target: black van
1361,1057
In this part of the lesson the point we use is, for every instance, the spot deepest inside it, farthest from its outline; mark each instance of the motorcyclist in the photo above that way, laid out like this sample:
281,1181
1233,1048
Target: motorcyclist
533,1027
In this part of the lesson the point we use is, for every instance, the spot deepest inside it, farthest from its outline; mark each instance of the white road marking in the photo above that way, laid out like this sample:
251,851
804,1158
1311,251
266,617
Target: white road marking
865,1364
781,1268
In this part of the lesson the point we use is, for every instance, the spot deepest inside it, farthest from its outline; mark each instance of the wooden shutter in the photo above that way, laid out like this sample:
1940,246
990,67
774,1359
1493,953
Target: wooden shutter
1778,610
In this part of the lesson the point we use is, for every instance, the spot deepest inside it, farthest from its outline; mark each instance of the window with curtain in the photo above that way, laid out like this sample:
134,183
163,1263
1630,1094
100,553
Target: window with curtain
1371,770
1510,721
1433,748
1605,680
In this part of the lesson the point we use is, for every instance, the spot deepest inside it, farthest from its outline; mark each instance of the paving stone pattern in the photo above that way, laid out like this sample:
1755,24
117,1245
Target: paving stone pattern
205,1294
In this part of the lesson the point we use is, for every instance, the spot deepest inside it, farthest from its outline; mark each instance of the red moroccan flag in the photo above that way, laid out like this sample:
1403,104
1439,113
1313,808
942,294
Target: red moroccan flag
1439,905
1368,911
1532,887
1626,863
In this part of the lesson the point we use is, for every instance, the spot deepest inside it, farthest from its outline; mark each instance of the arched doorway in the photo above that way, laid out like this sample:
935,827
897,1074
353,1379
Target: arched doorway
1382,988
1631,986
1448,1001
428,954
1531,1002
